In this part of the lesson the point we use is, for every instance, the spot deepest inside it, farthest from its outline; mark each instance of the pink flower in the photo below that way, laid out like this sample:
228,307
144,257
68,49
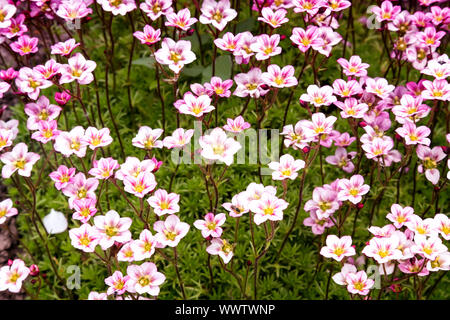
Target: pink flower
437,70
62,176
155,8
377,148
287,168
358,283
311,7
306,39
217,13
296,137
117,283
274,19
441,224
11,277
266,46
343,140
436,90
196,106
141,185
104,168
379,86
84,209
279,78
121,7
7,210
217,146
324,202
340,277
268,207
31,82
338,248
399,215
385,232
317,225
6,138
72,142
40,110
353,189
421,227
182,19
175,54
228,42
429,37
238,205
219,87
249,83
351,108
236,125
211,225
71,10
79,69
338,5
145,247
112,228
164,203
354,66
7,11
413,134
85,238
346,89
25,45
428,247
147,138
96,138
47,131
170,231
222,248
132,167
80,188
17,27
319,96
410,109
144,279
387,12
430,158
64,48
49,70
62,97
20,160
383,249
94,295
342,159
442,262
414,266
243,52
329,40
149,36
319,124
4,87
178,139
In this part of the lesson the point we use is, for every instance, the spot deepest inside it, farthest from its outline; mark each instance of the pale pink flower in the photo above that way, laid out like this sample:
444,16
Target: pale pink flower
71,10
421,227
7,210
329,40
346,89
317,225
429,37
354,66
64,48
358,283
20,160
340,277
104,168
4,87
126,252
238,205
268,207
338,248
40,110
428,247
217,13
279,78
441,224
178,139
324,202
383,249
12,277
6,138
94,295
25,45
399,215
379,87
121,7
155,8
144,278
31,82
436,90
182,19
147,138
274,19
342,159
133,167
85,238
305,39
243,52
219,87
73,142
222,248
175,54
429,162
112,228
250,83
351,108
255,191
170,231
47,131
210,226
437,70
49,69
296,137
266,46
384,232
236,125
338,5
7,11
62,176
163,202
343,140
196,106
413,134
287,168
84,209
149,36
217,146
228,42
96,138
319,124
144,247
117,283
386,12
79,69
441,262
141,185
311,7
377,148
80,188
410,109
353,189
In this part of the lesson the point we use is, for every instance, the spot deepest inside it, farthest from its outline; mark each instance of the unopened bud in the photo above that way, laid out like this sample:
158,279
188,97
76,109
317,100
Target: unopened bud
34,270
306,149
360,205
249,262
362,124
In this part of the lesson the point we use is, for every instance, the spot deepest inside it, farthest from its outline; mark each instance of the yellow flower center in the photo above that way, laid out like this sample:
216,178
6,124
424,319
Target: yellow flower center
268,211
170,235
353,192
175,57
217,16
85,240
14,277
81,193
111,231
218,149
20,164
144,281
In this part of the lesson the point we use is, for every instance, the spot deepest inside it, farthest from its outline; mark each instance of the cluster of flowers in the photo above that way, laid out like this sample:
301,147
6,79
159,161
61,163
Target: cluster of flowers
410,244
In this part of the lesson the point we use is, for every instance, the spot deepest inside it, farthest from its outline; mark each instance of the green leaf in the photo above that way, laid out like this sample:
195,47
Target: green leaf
148,62
223,69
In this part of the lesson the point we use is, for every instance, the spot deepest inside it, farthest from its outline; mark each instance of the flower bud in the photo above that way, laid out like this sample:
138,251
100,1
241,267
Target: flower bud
157,163
62,97
282,37
306,149
34,270
190,32
360,205
362,124
265,87
249,262
10,262
209,238
398,137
